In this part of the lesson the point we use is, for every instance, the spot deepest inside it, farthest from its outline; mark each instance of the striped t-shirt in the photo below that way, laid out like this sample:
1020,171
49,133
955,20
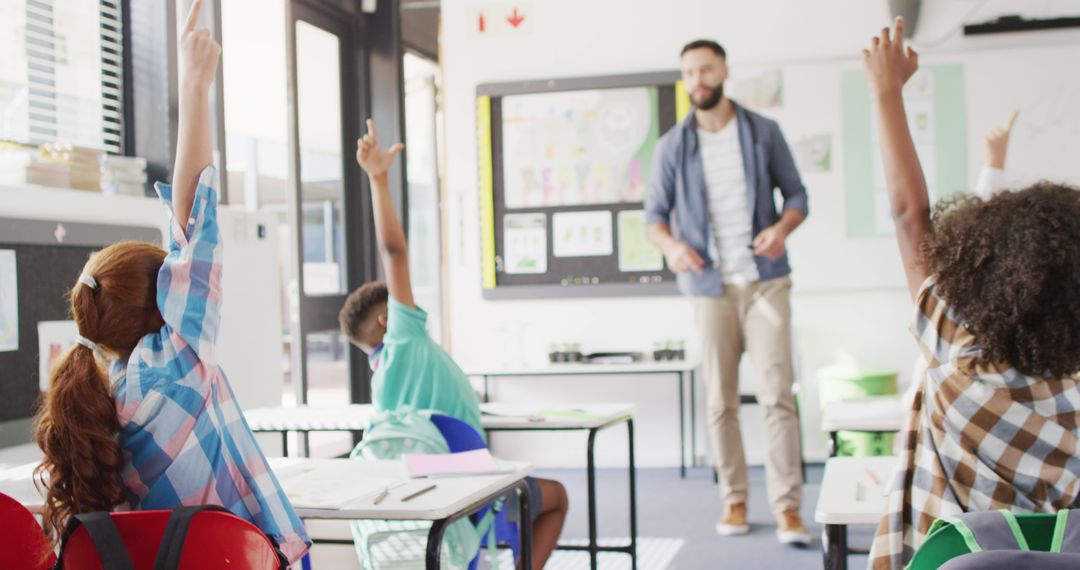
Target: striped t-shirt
729,213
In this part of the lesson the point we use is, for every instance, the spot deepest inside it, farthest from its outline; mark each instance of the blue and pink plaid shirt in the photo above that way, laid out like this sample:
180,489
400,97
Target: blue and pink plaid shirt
181,428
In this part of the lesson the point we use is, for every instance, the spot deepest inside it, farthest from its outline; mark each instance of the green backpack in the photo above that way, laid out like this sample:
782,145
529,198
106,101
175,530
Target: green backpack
392,545
1007,540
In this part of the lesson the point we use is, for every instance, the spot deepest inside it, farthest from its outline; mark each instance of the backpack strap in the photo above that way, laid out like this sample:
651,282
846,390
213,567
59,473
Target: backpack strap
1066,531
176,528
105,537
989,530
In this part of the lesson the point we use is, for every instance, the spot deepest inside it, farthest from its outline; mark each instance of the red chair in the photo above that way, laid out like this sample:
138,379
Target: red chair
22,540
214,539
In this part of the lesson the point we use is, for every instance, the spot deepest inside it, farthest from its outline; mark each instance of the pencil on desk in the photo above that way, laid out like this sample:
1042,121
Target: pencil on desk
872,476
415,494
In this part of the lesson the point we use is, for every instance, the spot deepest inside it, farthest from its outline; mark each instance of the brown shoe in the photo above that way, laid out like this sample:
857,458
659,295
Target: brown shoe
734,521
790,528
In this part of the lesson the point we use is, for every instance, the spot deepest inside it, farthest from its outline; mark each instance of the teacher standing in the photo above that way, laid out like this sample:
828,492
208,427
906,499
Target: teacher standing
711,210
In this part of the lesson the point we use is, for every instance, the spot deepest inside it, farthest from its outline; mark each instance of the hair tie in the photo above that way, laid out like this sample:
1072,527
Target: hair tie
88,280
80,339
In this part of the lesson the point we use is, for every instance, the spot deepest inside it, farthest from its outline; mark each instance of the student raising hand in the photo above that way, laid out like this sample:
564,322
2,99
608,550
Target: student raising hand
888,65
374,160
198,64
997,143
199,53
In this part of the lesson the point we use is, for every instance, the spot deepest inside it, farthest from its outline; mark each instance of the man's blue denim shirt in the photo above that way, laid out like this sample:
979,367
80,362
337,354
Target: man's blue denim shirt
678,195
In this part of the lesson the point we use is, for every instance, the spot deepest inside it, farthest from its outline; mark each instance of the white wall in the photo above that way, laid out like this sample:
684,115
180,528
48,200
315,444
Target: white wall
571,38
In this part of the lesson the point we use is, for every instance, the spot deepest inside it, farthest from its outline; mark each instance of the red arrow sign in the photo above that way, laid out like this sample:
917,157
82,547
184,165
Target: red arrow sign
515,18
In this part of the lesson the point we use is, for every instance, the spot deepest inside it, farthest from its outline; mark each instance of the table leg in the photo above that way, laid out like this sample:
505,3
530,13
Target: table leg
591,476
682,428
834,546
633,497
284,443
487,396
693,419
834,443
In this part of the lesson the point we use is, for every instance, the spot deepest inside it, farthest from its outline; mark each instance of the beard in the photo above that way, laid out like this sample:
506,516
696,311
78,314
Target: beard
712,99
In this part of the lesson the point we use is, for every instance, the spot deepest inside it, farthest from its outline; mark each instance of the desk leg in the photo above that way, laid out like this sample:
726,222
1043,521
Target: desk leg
834,443
693,420
834,546
633,497
682,428
591,476
487,397
284,443
525,525
434,544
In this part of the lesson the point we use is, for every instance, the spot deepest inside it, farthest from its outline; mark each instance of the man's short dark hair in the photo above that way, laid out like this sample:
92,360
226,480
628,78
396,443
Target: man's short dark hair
359,305
698,44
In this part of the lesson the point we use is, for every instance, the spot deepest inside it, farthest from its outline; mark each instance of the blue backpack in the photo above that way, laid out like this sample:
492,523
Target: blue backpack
386,544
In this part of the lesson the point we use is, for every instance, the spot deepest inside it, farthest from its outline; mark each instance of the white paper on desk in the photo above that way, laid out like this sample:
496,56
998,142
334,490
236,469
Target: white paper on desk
331,487
512,410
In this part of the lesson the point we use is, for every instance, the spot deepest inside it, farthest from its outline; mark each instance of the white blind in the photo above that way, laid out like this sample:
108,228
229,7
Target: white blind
61,74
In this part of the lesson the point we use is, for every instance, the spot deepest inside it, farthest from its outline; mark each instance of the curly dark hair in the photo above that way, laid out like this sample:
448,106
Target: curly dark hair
358,306
1010,267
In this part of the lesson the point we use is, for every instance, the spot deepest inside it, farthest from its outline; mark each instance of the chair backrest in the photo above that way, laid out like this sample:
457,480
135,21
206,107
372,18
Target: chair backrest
215,539
23,543
459,435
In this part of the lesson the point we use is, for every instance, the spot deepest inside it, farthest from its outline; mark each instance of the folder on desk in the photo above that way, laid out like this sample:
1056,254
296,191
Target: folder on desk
475,462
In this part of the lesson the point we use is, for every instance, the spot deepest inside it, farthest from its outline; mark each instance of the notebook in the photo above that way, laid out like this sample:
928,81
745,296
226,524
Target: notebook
475,462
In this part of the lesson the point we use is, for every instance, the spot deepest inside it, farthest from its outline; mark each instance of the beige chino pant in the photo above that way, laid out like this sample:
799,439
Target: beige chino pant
756,318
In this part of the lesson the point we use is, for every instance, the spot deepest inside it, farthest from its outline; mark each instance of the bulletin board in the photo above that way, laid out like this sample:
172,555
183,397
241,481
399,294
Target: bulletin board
564,167
46,258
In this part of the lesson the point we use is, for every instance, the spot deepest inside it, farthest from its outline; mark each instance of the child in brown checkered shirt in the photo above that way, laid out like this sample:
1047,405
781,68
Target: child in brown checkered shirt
996,284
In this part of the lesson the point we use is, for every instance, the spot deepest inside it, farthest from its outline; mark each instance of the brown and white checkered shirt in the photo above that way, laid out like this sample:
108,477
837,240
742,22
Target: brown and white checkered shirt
979,436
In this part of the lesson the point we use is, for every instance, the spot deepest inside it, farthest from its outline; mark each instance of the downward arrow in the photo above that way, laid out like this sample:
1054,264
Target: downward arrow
515,18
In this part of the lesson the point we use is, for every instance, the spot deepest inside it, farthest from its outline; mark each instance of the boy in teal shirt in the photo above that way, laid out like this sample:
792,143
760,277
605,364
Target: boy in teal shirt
410,369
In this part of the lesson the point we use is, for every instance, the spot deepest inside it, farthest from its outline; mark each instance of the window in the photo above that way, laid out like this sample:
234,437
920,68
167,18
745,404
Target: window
61,72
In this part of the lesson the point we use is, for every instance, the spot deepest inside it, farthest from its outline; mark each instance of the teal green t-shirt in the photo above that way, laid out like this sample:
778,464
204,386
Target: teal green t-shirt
414,371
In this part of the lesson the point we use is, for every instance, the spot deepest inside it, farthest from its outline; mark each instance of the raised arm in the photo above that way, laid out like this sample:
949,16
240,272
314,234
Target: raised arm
198,55
390,237
888,66
992,177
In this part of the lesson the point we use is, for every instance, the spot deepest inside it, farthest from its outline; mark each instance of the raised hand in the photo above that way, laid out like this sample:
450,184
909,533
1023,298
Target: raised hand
198,53
887,64
997,143
374,160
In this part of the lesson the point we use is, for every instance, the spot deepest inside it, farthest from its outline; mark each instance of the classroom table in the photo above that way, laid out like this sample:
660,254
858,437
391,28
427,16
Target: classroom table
681,370
851,493
592,418
875,414
453,498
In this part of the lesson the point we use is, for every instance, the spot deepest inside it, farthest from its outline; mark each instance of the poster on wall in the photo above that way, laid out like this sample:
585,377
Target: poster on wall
578,147
581,234
813,153
525,243
761,90
9,302
54,339
934,102
636,252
